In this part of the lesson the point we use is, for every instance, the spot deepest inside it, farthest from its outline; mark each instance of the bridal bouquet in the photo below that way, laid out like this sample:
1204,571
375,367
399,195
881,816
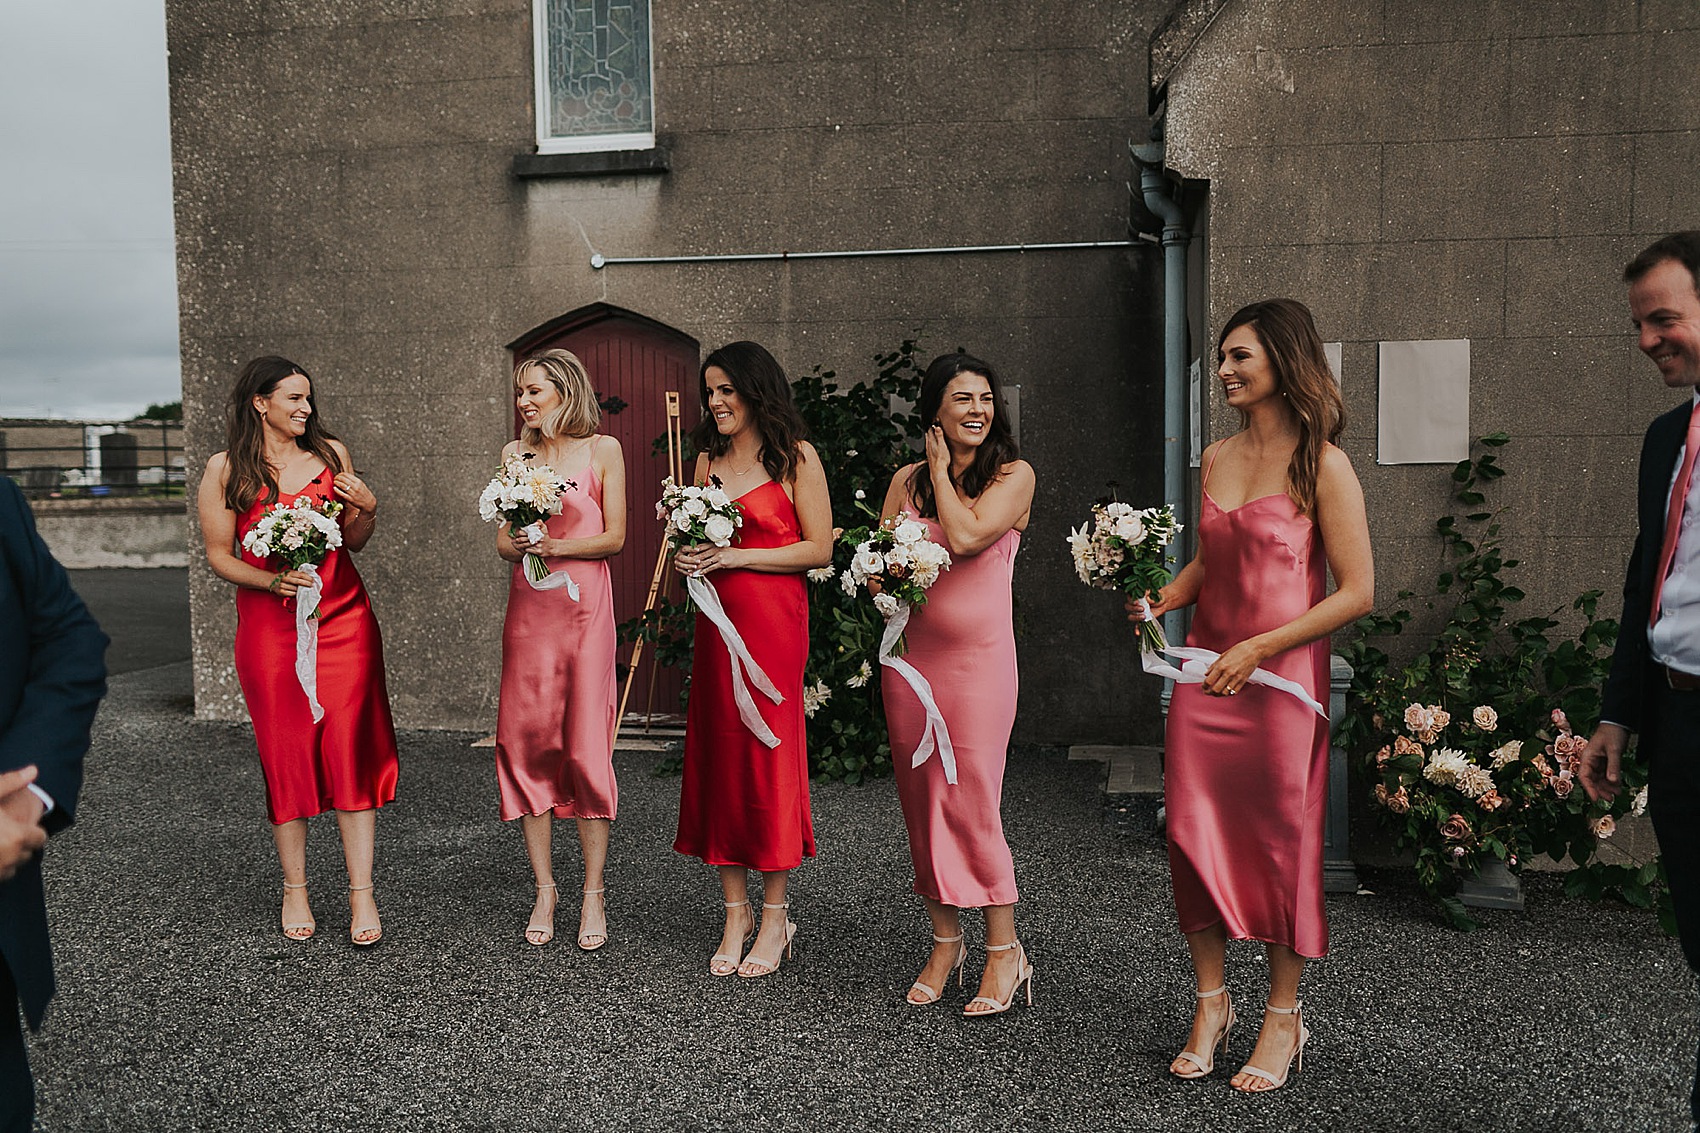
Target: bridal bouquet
1121,548
704,513
700,513
299,536
523,495
901,559
904,563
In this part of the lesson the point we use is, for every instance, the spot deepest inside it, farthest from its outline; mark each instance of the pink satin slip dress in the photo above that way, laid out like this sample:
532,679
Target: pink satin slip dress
963,642
1246,777
555,722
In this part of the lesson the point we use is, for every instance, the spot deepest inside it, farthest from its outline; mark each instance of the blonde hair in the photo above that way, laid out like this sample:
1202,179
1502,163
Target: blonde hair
579,414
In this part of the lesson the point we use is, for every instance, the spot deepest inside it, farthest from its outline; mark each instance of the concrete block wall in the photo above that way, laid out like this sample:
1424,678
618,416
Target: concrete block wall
1437,170
344,198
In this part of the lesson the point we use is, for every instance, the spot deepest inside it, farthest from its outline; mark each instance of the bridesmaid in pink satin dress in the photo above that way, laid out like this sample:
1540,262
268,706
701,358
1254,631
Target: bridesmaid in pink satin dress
1246,767
974,495
555,726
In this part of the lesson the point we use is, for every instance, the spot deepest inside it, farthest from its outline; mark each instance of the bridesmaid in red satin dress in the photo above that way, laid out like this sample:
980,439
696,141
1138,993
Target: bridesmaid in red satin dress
742,805
974,495
1246,769
555,725
277,451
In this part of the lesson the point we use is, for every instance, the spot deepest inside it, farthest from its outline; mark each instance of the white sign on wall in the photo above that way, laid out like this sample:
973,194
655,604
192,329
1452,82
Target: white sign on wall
1423,414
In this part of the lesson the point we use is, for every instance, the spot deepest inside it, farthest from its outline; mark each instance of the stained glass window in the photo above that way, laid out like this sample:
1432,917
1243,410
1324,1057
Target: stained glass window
594,88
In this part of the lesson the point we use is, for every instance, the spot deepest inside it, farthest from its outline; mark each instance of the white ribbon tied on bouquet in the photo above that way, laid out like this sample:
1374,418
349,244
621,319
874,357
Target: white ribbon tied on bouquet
936,734
702,592
1195,662
307,641
554,580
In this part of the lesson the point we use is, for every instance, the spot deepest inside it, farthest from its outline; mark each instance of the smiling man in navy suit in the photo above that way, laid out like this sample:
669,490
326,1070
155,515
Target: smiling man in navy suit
1654,684
52,676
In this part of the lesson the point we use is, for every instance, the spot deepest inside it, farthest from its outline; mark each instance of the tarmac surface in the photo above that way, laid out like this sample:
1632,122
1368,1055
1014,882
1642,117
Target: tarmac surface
182,1006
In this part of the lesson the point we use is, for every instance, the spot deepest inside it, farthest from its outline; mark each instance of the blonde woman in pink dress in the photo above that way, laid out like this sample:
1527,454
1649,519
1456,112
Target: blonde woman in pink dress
974,495
555,725
1246,766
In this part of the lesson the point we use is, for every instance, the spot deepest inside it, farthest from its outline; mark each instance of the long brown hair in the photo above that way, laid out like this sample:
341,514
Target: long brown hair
997,450
1302,377
761,382
245,437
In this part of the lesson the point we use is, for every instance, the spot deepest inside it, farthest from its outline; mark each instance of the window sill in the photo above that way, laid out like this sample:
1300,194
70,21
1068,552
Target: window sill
597,164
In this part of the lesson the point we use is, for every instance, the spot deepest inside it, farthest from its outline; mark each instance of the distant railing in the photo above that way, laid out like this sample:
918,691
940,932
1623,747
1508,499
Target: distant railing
81,459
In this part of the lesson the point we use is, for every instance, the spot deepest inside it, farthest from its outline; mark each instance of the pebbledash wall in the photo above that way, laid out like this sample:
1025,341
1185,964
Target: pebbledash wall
1435,170
346,195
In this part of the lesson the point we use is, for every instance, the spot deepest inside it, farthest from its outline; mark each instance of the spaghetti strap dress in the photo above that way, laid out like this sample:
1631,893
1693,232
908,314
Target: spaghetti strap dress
963,641
346,761
1246,777
742,803
555,721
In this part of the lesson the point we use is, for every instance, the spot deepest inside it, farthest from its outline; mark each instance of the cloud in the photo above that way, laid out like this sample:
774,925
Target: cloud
88,304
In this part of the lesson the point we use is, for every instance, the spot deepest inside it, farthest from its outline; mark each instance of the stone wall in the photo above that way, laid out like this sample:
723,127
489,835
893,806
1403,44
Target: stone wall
88,533
1438,170
344,197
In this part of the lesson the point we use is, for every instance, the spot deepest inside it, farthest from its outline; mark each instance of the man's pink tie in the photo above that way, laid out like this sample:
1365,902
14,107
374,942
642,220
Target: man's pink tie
1673,514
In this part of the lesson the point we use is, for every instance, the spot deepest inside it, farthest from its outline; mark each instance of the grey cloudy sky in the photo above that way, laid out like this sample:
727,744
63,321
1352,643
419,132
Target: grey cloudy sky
88,296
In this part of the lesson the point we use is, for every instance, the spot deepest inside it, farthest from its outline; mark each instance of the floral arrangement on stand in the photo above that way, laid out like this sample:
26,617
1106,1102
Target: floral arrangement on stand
1471,745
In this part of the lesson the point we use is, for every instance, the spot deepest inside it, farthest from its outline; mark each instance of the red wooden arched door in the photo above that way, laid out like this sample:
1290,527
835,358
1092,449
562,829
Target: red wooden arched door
633,362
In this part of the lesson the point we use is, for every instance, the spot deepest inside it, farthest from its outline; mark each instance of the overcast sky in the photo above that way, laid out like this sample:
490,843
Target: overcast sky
88,295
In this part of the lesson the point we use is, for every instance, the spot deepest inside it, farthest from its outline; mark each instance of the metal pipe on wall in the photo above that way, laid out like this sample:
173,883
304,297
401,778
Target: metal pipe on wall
599,261
1158,193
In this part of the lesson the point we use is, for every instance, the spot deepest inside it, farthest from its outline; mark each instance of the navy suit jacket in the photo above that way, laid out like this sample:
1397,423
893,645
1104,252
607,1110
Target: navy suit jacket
52,676
1633,671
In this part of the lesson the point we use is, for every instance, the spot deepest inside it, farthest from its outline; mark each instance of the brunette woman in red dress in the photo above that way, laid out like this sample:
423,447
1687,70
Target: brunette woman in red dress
745,806
277,452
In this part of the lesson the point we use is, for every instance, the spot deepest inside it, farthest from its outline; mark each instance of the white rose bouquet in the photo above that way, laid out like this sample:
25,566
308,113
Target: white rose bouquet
699,513
299,536
898,556
1121,548
523,495
704,513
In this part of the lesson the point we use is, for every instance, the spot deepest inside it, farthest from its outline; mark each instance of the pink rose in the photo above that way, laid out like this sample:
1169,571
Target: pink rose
1399,802
1560,720
1382,756
1604,827
1485,718
1381,793
1403,746
1455,829
1562,784
1491,801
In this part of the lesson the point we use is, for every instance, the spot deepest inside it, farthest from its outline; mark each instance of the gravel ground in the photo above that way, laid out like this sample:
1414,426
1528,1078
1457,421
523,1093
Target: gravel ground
181,1005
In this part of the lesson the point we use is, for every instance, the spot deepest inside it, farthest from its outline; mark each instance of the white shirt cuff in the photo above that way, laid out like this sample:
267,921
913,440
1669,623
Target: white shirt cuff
46,799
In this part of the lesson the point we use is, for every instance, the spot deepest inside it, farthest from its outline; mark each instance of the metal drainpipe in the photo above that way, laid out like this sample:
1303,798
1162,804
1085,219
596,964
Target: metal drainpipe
1157,190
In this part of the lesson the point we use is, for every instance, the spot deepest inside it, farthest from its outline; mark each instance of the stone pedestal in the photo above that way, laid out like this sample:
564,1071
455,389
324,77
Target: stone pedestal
1493,886
1338,873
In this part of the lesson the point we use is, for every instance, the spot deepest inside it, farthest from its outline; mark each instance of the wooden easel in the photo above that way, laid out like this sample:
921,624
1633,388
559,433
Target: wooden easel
675,469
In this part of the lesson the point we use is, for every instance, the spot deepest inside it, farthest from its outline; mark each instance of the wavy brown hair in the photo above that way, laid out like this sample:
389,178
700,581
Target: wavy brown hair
761,382
250,476
1288,334
997,450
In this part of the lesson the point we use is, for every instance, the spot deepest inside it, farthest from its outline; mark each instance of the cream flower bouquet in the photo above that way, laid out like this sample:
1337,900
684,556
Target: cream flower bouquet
523,495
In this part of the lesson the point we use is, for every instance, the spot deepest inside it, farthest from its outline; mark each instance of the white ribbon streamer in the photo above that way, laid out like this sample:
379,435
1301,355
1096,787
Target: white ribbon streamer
702,592
1195,662
545,578
936,734
307,641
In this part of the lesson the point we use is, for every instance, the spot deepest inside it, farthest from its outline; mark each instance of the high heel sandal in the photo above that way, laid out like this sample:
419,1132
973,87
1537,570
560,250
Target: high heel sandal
923,989
760,968
356,931
591,941
300,930
1295,1061
543,931
1023,975
730,963
1204,1063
